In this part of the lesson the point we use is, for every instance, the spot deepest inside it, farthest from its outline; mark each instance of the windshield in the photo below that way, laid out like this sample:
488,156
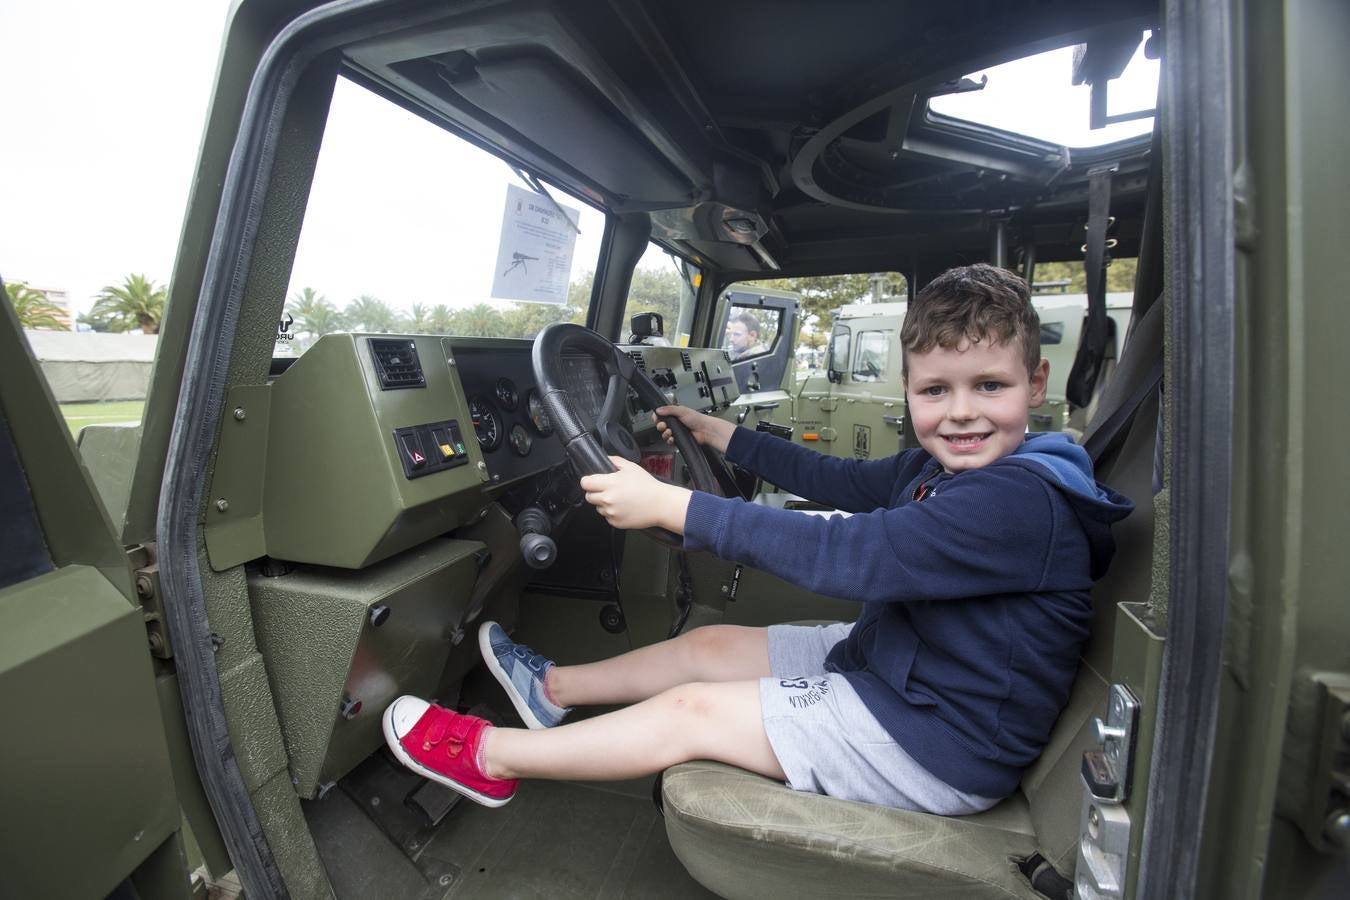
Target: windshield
411,229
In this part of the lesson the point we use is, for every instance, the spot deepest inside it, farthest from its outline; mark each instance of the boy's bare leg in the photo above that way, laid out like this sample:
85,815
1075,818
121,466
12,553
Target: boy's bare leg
711,653
692,721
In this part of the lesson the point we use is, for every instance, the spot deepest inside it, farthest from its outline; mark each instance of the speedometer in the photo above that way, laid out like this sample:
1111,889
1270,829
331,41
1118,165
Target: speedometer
538,416
486,426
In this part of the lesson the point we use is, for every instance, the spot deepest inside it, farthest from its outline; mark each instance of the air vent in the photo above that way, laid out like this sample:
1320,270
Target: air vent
636,356
688,363
396,364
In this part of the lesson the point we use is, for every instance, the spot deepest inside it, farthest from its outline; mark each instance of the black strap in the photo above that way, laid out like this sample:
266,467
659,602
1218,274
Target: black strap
1096,336
1111,432
1044,879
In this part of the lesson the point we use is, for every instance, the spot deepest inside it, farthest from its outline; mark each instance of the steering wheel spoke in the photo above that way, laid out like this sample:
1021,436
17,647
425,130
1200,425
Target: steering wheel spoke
586,446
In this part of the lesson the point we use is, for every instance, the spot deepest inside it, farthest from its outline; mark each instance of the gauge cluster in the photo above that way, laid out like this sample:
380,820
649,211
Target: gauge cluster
505,409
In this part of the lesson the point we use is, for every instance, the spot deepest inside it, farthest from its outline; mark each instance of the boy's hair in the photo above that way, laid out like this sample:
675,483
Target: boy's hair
972,303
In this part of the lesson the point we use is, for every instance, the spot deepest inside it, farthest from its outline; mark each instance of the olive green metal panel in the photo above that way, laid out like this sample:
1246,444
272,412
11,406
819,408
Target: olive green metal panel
1287,625
234,523
201,824
86,767
335,490
109,453
76,526
317,631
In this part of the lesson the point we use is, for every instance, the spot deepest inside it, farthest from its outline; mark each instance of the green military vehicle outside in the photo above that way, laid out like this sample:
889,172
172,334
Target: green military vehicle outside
202,616
854,406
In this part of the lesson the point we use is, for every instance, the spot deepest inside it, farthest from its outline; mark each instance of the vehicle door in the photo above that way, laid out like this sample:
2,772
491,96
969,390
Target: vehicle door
870,398
88,795
758,330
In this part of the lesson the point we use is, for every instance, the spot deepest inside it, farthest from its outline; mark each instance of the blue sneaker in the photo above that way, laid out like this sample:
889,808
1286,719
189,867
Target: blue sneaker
520,671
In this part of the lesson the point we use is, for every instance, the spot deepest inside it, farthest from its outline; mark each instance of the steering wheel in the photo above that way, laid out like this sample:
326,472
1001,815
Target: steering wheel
587,446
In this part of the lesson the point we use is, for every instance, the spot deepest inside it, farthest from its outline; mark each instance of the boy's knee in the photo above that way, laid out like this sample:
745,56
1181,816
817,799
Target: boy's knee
695,700
711,641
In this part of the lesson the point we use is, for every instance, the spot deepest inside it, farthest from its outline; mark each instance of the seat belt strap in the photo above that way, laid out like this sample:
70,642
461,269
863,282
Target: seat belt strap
1111,433
1092,344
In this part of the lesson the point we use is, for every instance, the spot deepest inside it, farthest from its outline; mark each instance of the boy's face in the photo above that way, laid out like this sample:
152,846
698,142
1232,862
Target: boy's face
969,404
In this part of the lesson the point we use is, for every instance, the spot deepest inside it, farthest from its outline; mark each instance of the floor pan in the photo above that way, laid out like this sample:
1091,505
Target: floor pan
553,840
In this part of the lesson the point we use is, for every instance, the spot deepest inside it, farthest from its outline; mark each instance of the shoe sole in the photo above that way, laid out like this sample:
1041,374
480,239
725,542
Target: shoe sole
520,703
392,740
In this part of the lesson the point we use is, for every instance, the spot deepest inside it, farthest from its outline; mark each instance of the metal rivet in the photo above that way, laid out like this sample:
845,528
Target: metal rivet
222,504
239,414
443,880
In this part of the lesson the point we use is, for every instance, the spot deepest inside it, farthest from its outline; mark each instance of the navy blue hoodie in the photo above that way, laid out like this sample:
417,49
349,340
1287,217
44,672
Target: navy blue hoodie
975,600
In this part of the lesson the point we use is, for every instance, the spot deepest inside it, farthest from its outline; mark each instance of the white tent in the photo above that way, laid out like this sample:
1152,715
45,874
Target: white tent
84,367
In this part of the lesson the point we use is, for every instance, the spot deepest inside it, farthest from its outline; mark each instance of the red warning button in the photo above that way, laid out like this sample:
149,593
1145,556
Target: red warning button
412,449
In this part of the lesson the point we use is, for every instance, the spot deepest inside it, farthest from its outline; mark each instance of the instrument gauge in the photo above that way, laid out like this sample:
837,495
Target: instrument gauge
505,390
538,416
520,439
486,426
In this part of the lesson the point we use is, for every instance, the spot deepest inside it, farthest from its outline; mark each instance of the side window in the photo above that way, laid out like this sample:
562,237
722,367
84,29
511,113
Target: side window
751,331
837,364
871,359
664,284
411,229
1052,333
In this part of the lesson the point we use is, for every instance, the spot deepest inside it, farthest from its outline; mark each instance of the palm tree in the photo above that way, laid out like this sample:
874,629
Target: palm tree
33,308
419,319
371,314
441,319
136,303
480,320
314,314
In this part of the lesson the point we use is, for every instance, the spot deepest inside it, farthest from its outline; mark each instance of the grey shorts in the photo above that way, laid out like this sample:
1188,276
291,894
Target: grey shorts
826,740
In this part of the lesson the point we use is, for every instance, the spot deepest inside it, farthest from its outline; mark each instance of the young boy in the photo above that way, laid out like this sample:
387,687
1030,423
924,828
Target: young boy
973,557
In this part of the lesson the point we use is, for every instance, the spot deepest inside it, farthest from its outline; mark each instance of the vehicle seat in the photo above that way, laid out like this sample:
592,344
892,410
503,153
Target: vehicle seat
746,836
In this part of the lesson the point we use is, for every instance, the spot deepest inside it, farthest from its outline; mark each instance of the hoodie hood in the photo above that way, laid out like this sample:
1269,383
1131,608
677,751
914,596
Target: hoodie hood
1066,465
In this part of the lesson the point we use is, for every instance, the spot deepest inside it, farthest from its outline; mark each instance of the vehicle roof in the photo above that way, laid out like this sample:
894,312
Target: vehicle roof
773,138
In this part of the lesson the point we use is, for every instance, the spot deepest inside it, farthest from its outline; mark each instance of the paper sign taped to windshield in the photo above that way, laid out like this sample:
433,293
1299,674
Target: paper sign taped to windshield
534,256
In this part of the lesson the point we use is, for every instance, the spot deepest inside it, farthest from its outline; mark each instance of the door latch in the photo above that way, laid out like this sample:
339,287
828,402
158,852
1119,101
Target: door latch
1104,828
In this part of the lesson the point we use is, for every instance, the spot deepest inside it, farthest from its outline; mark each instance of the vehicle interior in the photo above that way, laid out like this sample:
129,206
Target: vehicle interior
330,528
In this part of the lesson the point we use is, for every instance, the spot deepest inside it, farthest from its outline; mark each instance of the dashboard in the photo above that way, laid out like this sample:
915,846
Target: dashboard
373,444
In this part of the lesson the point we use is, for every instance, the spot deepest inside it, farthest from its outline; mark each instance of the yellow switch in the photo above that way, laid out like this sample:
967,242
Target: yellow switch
447,451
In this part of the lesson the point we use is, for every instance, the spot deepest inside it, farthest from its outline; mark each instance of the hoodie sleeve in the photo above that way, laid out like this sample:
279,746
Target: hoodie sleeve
990,531
850,485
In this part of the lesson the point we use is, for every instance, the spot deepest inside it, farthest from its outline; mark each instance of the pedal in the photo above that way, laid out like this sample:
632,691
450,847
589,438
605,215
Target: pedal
434,801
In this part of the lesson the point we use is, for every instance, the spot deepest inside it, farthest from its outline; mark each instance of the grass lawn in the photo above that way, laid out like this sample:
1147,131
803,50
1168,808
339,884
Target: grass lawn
79,415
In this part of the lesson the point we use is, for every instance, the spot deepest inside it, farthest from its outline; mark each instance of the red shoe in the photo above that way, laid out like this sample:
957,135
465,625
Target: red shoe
443,746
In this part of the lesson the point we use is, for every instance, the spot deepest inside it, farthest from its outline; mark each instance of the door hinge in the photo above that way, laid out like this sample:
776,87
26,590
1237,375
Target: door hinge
145,575
1104,826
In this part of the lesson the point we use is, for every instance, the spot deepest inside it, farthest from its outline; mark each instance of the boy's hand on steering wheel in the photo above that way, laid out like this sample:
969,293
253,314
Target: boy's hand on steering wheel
709,431
632,498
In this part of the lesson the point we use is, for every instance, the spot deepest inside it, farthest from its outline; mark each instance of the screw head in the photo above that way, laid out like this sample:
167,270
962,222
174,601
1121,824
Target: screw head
239,414
144,586
443,880
222,505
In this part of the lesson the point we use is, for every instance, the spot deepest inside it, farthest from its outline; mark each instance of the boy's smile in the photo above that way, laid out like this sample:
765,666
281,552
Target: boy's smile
969,404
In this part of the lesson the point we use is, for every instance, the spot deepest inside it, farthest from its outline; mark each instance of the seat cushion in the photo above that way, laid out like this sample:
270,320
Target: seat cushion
746,836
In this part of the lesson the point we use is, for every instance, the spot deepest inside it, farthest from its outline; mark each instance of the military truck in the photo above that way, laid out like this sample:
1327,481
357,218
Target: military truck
201,617
855,405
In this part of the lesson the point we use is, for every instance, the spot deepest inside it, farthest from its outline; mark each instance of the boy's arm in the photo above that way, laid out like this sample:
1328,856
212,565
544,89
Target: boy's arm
989,532
850,485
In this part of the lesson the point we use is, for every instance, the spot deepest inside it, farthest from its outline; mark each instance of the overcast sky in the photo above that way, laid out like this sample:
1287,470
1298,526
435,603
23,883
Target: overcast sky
103,107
